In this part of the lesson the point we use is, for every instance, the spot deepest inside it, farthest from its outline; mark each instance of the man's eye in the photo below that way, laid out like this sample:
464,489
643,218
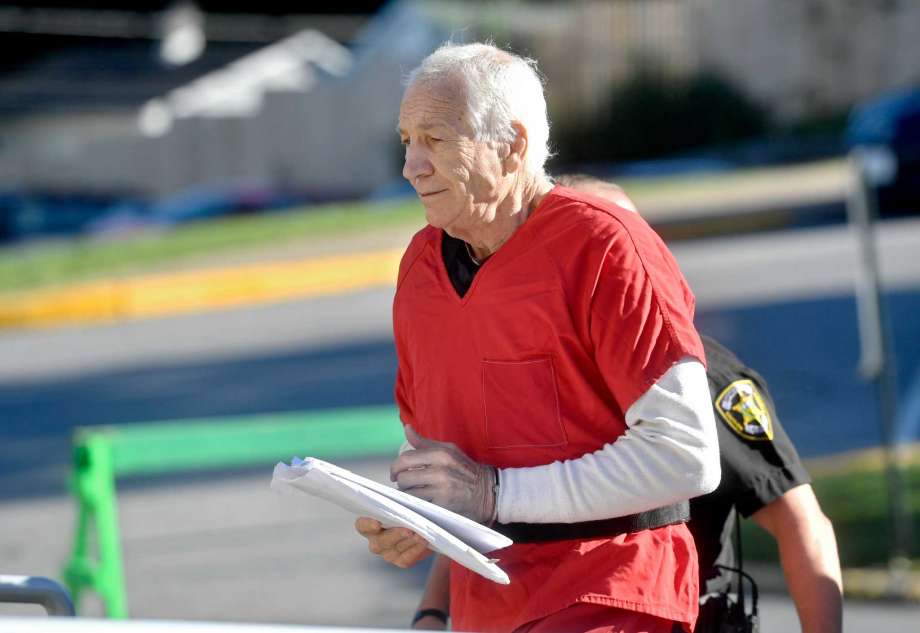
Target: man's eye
435,140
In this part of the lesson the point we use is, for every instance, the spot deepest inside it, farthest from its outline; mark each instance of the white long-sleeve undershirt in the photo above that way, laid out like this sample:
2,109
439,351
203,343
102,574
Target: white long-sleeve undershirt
668,453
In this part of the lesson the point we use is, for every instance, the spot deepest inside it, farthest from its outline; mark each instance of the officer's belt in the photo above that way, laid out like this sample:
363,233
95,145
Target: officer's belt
648,520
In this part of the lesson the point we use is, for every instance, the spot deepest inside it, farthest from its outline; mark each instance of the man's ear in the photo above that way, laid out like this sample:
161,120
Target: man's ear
517,150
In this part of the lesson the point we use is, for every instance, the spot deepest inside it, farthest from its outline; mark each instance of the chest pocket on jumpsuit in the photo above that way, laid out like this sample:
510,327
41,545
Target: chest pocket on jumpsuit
521,403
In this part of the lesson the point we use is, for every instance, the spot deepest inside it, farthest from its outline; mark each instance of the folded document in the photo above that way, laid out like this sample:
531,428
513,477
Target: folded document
449,533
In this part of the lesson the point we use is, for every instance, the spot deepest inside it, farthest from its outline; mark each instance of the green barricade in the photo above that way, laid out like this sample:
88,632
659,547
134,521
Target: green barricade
103,453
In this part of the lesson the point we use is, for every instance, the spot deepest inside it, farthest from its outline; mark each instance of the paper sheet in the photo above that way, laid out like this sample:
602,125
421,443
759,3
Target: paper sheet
451,534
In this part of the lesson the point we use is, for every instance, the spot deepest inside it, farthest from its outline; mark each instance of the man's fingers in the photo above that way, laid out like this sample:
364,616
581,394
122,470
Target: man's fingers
409,459
392,541
399,546
388,539
408,558
422,458
367,526
416,440
410,480
408,543
414,554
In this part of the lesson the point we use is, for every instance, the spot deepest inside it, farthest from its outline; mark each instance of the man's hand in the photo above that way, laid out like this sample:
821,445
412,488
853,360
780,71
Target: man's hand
399,546
441,473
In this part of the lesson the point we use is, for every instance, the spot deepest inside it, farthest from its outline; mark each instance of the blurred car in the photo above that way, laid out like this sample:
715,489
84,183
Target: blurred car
28,214
197,203
891,124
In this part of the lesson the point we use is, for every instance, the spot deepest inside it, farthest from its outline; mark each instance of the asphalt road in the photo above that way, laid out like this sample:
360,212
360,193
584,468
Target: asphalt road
328,352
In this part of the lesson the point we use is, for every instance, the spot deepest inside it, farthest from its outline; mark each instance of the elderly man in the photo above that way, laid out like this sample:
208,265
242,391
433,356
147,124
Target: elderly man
550,378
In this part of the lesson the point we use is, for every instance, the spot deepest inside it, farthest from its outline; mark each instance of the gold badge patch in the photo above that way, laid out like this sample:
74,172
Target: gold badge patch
742,407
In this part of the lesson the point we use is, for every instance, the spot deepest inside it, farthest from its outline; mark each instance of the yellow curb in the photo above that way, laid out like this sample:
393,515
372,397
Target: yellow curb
162,294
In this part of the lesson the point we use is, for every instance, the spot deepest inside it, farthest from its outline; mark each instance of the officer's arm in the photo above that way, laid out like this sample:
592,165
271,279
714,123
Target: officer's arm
436,595
808,554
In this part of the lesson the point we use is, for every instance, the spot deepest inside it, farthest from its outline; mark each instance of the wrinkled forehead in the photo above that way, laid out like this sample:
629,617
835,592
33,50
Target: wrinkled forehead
433,102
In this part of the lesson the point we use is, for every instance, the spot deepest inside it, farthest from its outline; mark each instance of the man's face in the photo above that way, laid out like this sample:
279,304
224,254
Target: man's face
457,178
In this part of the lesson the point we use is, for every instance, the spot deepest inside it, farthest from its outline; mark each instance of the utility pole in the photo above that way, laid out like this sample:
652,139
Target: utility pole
873,166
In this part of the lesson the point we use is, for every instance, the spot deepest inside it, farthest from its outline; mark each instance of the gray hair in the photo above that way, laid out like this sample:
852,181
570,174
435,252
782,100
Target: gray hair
500,88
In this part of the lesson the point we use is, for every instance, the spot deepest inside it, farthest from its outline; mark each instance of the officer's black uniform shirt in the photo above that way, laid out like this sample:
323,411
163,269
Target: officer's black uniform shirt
759,462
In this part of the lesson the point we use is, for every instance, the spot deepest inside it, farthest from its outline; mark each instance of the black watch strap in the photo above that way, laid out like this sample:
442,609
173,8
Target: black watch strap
424,613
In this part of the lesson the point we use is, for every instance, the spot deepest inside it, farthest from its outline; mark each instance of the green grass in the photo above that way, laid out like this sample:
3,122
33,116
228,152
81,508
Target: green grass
81,259
856,503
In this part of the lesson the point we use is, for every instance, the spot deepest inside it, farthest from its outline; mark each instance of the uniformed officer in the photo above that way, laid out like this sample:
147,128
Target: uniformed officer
764,479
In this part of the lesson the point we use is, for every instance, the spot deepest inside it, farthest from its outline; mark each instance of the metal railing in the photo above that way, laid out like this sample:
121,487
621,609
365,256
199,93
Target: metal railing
103,453
36,590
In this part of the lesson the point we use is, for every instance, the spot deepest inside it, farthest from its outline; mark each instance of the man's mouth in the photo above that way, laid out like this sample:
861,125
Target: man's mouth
431,193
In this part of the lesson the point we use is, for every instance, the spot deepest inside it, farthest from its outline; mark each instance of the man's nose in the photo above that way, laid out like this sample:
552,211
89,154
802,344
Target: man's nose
417,164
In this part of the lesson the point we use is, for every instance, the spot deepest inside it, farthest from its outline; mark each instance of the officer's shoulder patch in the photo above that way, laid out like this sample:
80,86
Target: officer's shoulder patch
743,408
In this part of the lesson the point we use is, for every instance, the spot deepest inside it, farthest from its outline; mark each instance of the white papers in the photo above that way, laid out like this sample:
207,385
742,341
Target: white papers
451,534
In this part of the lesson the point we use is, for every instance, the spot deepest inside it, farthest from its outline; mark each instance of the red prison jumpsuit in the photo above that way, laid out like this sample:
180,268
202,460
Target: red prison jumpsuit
562,329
